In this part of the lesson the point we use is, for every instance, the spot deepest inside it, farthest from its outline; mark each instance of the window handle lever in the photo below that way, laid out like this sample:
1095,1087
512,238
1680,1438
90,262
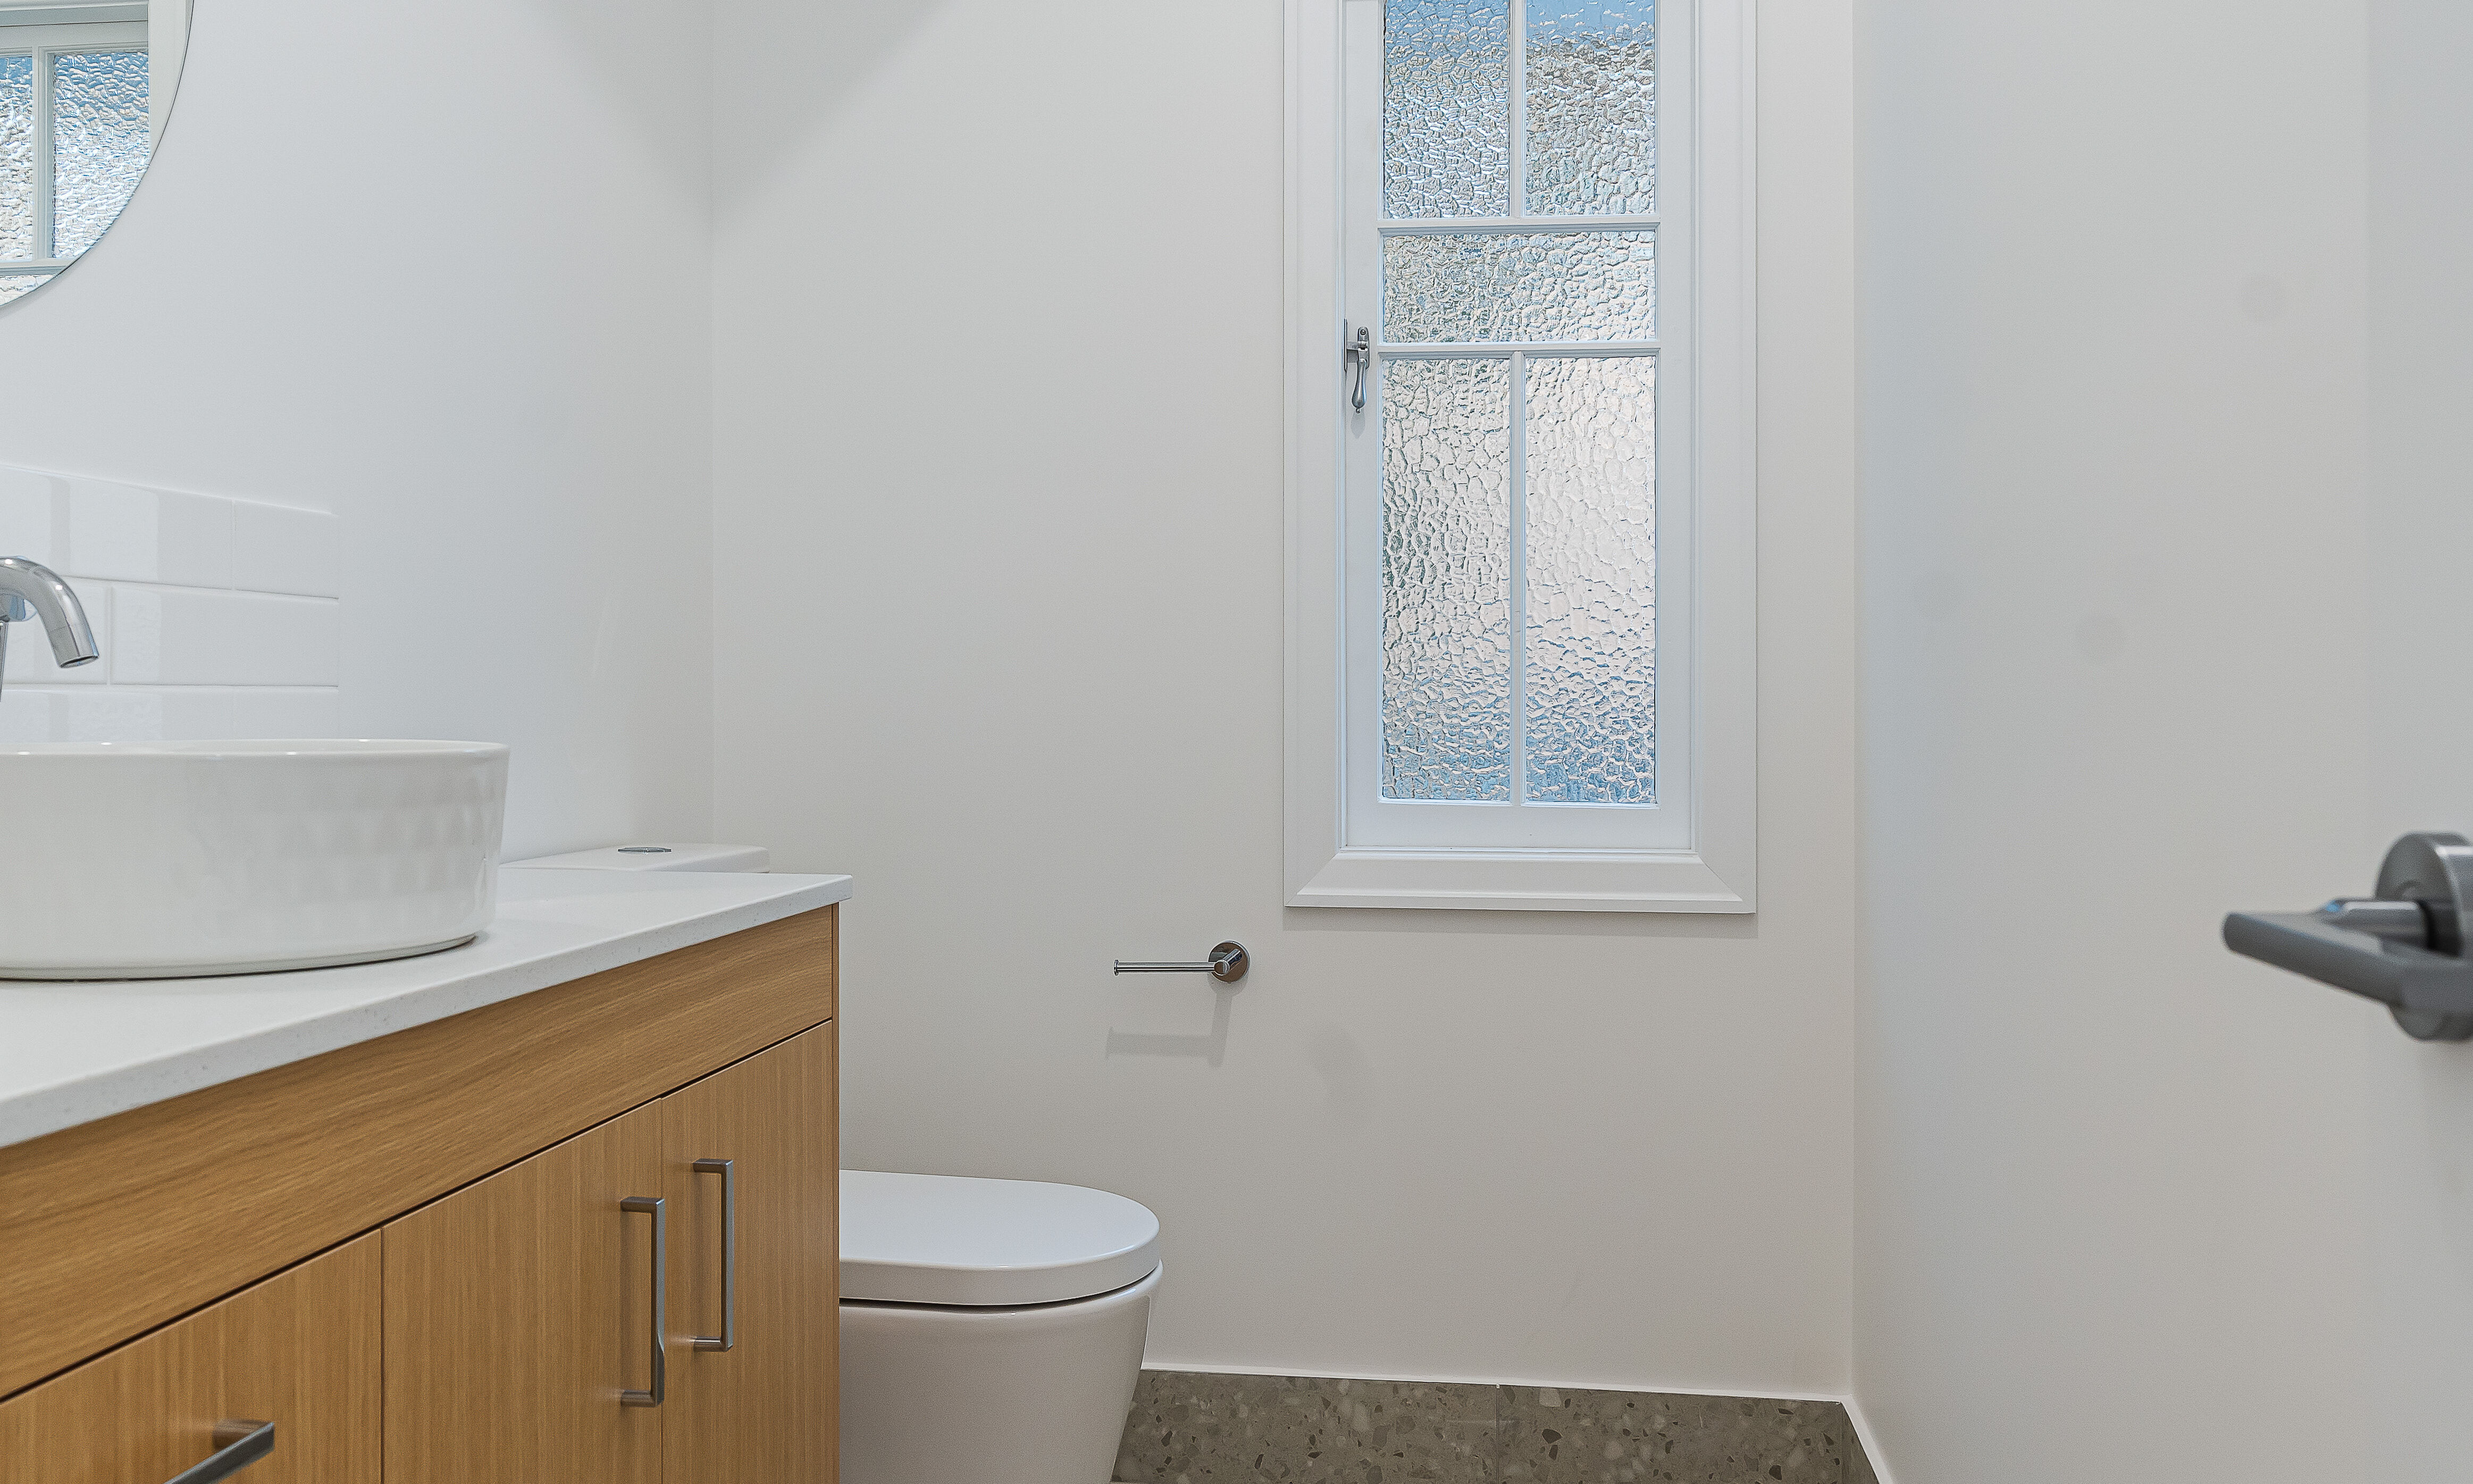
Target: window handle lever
1359,353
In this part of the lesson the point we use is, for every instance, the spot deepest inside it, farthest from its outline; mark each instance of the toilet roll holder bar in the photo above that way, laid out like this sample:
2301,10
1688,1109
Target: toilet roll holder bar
1226,964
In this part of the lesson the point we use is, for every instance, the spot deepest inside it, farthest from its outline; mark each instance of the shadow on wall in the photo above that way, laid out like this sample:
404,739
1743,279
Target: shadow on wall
1351,1085
640,82
1210,1047
843,44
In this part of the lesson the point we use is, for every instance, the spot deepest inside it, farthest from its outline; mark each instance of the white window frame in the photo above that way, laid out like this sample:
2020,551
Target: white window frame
1696,852
46,41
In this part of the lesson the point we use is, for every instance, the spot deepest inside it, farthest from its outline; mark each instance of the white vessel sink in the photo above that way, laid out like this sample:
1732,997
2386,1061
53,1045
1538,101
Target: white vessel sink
147,860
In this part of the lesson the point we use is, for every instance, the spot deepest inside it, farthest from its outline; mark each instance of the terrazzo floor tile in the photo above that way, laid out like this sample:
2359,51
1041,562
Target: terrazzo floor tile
1189,1429
1551,1436
1192,1428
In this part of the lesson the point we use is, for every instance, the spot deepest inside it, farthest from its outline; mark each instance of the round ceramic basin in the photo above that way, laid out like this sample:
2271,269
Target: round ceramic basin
136,860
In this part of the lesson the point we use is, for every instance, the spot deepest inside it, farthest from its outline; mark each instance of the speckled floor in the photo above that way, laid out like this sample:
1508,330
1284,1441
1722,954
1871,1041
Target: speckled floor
1192,1429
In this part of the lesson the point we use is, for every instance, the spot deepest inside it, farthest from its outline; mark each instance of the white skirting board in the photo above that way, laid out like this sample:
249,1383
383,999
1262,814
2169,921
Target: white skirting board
1863,1436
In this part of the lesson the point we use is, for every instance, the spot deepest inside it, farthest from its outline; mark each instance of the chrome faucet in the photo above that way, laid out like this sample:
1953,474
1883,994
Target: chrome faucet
30,590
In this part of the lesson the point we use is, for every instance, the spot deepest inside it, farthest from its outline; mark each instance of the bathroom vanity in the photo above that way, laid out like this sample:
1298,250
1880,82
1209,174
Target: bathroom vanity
554,1206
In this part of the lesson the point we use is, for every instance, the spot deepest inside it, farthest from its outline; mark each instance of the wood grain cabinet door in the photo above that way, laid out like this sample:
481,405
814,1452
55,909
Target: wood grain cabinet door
761,1411
519,1313
299,1351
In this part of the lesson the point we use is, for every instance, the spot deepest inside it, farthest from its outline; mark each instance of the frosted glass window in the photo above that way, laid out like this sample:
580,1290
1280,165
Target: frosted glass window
101,142
12,285
1447,107
1503,244
1591,595
1447,580
1477,286
1589,91
17,158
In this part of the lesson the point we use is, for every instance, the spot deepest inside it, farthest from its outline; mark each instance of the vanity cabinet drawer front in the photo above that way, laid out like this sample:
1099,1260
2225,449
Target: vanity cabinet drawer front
299,1350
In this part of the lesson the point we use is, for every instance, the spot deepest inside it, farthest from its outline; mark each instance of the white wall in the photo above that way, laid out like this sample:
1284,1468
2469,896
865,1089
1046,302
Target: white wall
440,270
999,518
2144,610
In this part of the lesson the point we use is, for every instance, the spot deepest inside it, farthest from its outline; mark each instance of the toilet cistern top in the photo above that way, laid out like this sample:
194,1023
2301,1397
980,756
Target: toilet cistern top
649,855
948,1239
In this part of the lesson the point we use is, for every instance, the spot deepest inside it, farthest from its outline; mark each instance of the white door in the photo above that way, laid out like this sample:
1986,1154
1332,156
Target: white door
2171,523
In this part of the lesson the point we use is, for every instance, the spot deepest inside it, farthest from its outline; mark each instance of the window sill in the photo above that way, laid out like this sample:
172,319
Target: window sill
1520,881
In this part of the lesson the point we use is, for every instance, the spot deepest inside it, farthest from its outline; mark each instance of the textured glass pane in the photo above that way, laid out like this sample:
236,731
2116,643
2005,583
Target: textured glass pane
1445,107
1590,647
1447,580
16,157
1590,84
99,133
1450,286
16,285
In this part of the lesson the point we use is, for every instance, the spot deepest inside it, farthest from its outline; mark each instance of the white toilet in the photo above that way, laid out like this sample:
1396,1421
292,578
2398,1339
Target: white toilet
992,1330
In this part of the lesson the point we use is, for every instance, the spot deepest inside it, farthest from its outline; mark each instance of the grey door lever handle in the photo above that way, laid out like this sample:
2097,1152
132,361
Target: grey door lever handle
2403,946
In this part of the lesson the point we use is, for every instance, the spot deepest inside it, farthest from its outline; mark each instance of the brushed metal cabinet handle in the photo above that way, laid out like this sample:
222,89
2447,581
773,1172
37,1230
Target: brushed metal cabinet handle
728,1336
651,1205
238,1446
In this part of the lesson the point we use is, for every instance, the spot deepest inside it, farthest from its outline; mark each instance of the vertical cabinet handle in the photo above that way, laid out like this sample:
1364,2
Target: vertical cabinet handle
238,1446
728,1336
651,1205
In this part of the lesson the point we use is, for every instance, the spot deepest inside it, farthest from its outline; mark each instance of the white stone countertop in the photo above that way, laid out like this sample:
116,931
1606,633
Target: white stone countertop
72,1053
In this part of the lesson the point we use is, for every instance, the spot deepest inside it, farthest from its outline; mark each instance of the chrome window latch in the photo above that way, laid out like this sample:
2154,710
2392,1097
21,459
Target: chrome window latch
1358,353
2403,946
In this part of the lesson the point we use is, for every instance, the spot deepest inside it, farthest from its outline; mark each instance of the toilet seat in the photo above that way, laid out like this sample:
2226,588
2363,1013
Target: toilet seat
956,1242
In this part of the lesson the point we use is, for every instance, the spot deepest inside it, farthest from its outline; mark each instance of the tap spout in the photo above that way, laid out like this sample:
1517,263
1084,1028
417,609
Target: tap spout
32,589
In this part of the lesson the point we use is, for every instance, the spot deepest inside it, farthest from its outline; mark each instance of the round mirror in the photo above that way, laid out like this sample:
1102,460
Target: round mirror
84,87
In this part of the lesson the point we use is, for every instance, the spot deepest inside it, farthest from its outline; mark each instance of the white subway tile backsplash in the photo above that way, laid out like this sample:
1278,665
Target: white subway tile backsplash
278,549
30,649
108,714
111,531
201,712
25,716
150,536
309,713
33,509
182,636
136,652
193,540
141,715
216,617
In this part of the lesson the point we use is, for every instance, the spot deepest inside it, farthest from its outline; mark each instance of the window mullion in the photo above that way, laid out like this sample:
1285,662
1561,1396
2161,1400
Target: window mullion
1457,226
1519,516
46,153
1518,141
1456,349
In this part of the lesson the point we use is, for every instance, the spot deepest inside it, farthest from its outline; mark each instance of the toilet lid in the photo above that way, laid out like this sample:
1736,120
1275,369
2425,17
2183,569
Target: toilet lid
988,1243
